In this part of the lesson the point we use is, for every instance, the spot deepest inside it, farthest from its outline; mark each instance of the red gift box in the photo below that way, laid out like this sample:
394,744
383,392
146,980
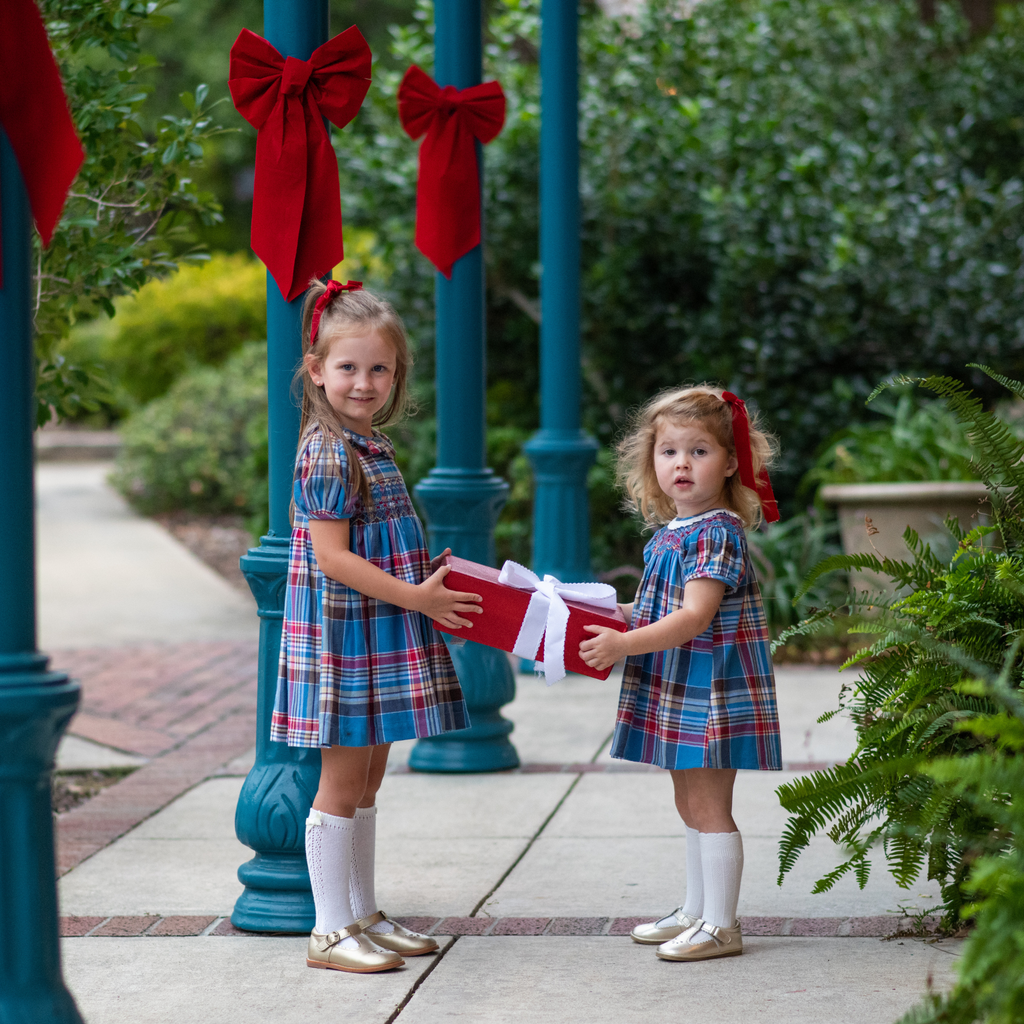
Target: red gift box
505,607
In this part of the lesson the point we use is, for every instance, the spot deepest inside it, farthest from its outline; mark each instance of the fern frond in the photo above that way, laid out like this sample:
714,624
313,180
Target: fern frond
1008,382
992,438
903,572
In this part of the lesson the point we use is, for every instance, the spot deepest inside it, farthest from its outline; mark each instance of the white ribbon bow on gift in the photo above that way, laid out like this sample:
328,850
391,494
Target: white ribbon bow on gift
548,615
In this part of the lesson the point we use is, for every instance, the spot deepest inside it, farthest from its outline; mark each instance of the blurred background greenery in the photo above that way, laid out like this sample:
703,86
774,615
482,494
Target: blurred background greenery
793,198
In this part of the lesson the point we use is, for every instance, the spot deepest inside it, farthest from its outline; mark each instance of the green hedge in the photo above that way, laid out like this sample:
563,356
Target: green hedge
202,447
195,317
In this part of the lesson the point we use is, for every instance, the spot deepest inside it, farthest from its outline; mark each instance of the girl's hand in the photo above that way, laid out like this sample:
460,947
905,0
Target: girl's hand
438,560
444,605
603,650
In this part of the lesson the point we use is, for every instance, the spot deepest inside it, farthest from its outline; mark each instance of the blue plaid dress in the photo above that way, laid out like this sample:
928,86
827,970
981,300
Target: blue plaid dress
711,702
355,671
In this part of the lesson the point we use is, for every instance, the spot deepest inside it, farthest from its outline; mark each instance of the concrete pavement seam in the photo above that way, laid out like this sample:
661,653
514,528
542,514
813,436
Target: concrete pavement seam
442,953
526,849
544,824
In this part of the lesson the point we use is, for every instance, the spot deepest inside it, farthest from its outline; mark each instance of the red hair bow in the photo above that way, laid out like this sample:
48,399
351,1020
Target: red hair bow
741,436
34,114
296,206
448,189
333,288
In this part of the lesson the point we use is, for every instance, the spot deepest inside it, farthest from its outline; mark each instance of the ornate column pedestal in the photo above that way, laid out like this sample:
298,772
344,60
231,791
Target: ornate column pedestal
279,789
35,708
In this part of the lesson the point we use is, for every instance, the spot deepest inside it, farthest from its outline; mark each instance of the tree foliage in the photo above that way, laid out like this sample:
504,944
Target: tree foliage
131,208
792,197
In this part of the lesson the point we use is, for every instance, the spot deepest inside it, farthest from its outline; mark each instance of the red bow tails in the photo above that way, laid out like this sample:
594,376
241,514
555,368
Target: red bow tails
448,189
333,288
762,485
296,207
34,115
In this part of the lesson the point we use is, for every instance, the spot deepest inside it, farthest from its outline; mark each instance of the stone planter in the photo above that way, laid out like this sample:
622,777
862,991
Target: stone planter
891,508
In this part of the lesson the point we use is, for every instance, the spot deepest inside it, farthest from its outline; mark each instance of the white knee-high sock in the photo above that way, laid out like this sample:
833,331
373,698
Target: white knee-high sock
361,887
694,903
721,861
329,843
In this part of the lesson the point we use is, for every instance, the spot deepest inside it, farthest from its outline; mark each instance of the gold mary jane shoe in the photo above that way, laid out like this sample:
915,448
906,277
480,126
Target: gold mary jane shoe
326,951
722,942
401,940
653,935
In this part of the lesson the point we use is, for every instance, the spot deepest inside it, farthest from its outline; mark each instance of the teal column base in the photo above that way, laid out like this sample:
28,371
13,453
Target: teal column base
488,683
35,708
462,506
279,789
561,516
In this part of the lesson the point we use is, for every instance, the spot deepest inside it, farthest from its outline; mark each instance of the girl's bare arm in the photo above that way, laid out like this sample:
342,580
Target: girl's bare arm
330,539
701,600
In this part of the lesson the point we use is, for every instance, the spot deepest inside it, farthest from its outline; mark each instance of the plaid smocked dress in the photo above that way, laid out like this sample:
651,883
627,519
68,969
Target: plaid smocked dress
355,671
711,702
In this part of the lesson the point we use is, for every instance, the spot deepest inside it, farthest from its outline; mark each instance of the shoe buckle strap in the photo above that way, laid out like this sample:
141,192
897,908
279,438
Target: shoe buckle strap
333,938
716,933
325,942
690,932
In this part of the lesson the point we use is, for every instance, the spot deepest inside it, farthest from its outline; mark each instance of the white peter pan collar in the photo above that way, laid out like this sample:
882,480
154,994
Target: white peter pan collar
680,521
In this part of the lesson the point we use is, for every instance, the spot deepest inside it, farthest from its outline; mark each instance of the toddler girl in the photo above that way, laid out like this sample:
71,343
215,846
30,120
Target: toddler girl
361,665
698,693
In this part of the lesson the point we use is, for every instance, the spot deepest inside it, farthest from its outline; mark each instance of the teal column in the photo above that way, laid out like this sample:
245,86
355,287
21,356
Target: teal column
461,496
560,452
278,791
35,704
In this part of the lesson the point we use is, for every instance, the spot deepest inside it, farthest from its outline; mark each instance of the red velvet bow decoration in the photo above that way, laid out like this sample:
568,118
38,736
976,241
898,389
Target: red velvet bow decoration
741,436
296,207
333,288
34,115
448,189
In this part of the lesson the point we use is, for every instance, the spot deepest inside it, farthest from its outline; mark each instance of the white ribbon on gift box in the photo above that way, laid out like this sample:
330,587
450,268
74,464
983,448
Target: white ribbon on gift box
547,615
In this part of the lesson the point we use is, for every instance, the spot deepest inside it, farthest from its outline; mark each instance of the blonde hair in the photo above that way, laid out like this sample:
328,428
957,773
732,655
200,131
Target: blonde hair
701,404
348,313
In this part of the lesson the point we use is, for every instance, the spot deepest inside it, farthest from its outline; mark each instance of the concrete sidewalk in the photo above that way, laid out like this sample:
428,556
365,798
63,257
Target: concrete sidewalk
536,875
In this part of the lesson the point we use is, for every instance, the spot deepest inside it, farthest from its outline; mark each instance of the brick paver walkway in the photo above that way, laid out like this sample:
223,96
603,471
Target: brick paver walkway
812,927
190,707
149,699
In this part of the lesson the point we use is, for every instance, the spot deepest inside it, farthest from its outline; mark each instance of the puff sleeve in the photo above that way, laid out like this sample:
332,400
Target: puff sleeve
717,553
320,474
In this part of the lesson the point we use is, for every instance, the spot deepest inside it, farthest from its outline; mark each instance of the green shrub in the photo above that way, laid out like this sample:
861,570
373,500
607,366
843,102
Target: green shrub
915,441
194,317
202,446
937,709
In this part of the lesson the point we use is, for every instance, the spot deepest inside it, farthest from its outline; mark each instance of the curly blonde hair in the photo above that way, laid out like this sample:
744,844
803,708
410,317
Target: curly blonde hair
701,404
349,312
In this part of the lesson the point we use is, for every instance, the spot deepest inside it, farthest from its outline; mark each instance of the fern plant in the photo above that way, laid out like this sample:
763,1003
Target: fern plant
990,986
917,689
